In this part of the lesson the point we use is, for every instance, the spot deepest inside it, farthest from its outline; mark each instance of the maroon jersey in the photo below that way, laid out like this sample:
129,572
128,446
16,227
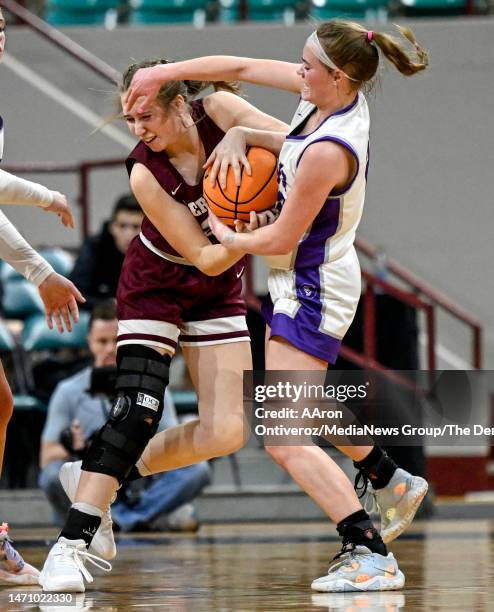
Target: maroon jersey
172,181
159,299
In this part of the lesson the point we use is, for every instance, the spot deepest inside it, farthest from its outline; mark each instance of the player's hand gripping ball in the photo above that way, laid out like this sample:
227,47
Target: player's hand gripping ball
257,192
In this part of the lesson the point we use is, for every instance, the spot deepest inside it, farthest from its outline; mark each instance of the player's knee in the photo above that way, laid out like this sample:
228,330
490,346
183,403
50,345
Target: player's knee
230,438
141,382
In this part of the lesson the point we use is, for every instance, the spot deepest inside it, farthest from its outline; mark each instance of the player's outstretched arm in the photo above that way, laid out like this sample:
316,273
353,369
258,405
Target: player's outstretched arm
58,294
15,190
272,73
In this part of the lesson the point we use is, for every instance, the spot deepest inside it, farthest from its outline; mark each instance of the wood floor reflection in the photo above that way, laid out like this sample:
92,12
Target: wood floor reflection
258,567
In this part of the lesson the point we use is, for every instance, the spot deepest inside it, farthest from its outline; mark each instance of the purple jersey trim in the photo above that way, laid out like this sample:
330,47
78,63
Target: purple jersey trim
348,147
342,111
312,250
368,160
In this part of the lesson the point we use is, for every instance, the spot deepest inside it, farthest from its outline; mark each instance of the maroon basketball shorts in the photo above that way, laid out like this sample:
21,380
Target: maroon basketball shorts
162,303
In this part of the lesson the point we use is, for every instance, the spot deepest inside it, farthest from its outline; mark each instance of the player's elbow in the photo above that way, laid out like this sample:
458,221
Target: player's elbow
209,268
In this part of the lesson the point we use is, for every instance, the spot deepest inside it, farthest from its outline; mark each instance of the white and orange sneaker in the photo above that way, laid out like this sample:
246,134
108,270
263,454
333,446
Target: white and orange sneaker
398,502
357,568
13,568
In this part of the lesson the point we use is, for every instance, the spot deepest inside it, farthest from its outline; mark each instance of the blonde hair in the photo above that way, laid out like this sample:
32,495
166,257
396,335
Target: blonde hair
355,50
171,89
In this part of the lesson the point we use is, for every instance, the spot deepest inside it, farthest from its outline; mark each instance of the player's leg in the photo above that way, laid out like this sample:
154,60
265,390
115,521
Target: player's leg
311,468
13,568
142,376
6,410
364,560
217,375
216,372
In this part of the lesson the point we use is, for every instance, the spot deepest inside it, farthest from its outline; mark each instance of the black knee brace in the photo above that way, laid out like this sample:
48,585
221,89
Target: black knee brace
135,415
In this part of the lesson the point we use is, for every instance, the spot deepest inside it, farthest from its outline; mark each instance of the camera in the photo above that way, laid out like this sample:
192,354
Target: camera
103,381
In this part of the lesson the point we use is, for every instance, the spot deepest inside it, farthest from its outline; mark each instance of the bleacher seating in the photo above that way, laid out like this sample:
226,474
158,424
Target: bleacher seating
81,12
197,12
373,10
61,261
430,8
152,12
21,299
272,10
36,336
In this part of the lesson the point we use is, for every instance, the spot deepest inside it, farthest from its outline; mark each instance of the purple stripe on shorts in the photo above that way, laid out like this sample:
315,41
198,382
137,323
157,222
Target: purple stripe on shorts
212,337
152,337
267,309
301,333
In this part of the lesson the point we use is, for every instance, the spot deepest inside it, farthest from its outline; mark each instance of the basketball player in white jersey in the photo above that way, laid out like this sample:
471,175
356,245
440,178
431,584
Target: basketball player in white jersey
59,297
315,286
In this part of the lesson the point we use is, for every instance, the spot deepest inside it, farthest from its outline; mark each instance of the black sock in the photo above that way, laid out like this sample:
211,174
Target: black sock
377,466
359,530
80,526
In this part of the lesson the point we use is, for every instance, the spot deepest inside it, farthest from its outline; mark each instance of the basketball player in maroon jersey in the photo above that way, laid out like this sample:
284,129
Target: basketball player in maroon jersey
174,282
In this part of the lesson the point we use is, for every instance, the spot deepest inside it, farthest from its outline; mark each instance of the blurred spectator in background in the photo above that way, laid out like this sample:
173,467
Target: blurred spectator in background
97,268
78,408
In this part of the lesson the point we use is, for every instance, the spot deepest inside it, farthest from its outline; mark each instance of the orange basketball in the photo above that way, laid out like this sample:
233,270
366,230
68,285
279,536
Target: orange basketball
256,192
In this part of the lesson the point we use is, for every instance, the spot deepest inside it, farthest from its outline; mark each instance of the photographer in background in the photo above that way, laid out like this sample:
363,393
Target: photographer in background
78,408
97,268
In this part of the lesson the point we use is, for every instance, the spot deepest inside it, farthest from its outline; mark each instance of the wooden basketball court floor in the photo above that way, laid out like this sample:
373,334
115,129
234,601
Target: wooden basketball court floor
449,565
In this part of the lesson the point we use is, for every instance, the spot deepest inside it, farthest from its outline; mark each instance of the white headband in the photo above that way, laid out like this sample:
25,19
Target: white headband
322,56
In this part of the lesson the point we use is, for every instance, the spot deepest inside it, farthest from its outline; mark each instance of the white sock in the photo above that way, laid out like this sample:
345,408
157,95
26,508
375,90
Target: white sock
88,509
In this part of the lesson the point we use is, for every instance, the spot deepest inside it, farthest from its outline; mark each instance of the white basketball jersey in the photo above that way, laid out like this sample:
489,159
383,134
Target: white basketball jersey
332,232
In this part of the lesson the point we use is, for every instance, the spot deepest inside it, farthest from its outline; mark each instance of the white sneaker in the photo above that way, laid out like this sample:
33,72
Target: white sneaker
398,502
103,543
64,570
357,568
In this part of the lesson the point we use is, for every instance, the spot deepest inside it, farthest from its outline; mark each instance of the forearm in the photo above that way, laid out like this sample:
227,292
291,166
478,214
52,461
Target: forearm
272,73
272,141
209,68
15,190
267,240
17,252
215,259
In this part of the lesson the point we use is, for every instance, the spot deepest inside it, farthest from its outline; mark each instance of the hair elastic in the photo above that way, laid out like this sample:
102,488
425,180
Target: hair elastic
370,35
